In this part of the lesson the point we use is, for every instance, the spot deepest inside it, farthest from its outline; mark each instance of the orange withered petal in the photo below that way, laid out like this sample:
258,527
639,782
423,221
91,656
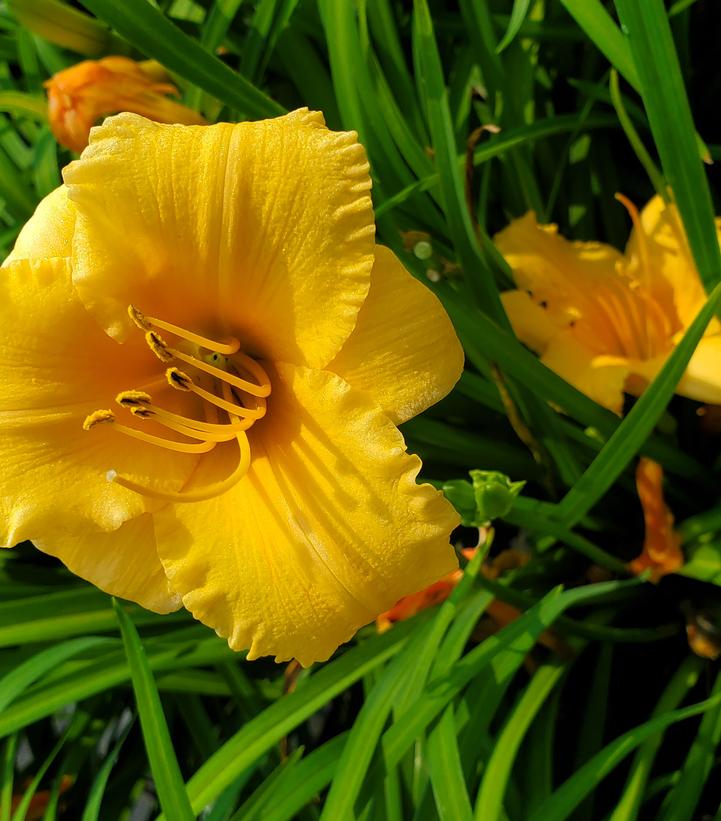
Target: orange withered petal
80,96
661,552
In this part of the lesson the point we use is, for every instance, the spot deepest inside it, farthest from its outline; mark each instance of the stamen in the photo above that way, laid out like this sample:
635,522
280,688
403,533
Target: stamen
193,427
636,220
133,399
106,416
200,495
98,417
262,389
180,380
158,346
146,323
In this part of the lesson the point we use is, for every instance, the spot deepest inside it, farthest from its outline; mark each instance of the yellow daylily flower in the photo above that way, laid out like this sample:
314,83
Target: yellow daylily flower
605,321
223,285
83,94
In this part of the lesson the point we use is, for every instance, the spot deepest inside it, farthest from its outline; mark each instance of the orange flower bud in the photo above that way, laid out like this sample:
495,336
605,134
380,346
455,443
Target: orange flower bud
84,94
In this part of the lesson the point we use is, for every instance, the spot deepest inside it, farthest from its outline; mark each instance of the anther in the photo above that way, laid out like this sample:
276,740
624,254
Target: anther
138,318
158,346
227,347
105,416
98,417
133,399
177,379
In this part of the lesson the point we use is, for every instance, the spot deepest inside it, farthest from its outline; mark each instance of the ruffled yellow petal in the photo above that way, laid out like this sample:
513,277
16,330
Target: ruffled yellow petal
659,255
529,321
327,529
123,562
403,352
702,380
260,229
602,378
56,367
49,232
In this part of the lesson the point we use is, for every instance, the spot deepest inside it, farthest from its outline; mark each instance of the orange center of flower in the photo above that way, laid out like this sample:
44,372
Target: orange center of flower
233,399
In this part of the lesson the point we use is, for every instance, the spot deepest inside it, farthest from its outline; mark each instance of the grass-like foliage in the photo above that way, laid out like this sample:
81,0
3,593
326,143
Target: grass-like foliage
591,702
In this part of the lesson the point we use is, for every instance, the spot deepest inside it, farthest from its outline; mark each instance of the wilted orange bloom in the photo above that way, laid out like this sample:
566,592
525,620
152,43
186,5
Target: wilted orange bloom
84,94
40,801
661,552
435,593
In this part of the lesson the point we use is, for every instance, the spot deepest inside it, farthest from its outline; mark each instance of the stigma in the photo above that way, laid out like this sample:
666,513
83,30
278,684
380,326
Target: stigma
232,388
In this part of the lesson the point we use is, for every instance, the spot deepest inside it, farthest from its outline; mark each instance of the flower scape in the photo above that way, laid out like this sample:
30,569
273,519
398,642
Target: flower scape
205,356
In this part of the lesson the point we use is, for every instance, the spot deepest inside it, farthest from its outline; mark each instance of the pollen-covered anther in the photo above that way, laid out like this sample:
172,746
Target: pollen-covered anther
98,417
133,399
138,318
158,346
178,379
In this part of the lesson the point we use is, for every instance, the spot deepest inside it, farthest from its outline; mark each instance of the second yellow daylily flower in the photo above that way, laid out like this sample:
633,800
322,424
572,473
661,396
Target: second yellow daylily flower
204,356
80,96
605,321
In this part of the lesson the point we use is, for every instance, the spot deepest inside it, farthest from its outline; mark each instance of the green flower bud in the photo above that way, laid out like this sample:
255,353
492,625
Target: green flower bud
494,494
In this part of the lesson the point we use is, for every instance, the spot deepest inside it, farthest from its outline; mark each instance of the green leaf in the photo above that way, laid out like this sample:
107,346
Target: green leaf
94,801
682,800
23,104
21,677
158,744
564,800
703,562
7,779
669,113
477,273
65,26
518,15
676,690
446,771
155,35
266,729
506,746
598,24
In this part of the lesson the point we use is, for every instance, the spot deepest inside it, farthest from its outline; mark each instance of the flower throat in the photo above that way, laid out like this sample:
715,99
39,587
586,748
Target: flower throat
233,399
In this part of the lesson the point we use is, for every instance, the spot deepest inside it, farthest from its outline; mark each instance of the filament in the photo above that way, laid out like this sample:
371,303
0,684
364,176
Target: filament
200,495
145,323
106,417
180,380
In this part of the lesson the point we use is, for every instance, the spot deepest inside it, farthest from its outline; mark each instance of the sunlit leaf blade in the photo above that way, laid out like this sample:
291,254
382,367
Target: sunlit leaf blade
155,35
158,744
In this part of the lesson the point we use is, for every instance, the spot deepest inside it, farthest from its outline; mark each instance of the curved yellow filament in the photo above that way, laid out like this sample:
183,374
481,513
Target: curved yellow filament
261,390
227,347
107,417
636,220
181,381
200,495
181,447
210,431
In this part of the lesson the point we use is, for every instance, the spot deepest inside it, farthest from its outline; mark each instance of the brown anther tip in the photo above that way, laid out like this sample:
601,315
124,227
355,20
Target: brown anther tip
178,379
140,411
138,318
158,346
98,417
132,399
